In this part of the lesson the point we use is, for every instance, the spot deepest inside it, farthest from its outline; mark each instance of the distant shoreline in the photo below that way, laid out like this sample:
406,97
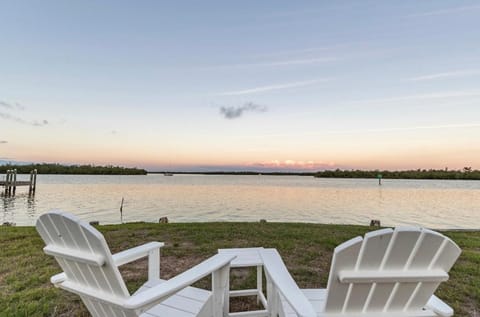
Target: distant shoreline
48,168
238,173
466,174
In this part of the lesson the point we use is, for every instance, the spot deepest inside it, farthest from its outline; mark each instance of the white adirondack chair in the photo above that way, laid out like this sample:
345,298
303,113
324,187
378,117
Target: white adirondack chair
92,272
389,273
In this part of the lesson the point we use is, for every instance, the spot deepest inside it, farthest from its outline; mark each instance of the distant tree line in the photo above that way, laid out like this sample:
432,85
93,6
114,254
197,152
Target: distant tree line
45,168
465,173
240,173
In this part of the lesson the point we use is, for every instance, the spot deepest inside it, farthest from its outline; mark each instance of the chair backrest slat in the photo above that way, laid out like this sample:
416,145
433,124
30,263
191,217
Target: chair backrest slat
389,271
345,257
444,257
84,256
372,252
402,246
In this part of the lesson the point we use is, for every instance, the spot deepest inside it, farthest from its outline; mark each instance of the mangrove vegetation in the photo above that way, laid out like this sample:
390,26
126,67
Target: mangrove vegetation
465,173
47,168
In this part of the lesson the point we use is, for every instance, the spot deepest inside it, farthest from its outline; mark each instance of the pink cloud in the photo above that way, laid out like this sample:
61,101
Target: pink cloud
292,164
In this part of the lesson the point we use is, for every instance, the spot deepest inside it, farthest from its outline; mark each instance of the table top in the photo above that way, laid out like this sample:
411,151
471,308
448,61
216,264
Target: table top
245,256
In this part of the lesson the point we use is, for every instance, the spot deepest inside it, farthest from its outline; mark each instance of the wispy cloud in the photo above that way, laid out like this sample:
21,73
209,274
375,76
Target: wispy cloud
445,11
285,14
452,74
11,105
419,97
303,51
411,128
315,11
3,142
237,112
15,106
281,63
379,130
36,123
271,88
40,123
307,61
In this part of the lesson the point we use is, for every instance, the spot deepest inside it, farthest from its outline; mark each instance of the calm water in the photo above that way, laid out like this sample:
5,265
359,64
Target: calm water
436,204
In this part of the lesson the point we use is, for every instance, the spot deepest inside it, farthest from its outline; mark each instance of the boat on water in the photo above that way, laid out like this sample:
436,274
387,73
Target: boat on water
167,174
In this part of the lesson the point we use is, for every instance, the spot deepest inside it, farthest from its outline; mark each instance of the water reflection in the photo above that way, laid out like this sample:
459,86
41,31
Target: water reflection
8,206
14,205
31,204
438,204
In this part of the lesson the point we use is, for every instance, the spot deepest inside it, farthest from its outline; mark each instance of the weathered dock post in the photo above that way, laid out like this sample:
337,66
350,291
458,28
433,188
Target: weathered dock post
30,187
14,181
6,182
11,182
33,182
121,212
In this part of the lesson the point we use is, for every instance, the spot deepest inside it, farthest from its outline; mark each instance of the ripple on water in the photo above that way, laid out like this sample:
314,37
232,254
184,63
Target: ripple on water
438,204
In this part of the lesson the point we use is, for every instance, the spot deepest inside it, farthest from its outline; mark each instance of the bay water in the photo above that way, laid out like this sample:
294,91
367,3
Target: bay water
436,204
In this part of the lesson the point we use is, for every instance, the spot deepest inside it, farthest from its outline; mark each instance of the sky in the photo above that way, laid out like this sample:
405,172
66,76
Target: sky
241,85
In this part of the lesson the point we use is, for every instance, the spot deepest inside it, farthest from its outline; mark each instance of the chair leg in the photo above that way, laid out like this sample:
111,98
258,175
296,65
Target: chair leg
259,283
220,291
272,298
154,265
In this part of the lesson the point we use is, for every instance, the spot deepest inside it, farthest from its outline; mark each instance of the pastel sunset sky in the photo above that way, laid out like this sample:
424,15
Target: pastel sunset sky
241,85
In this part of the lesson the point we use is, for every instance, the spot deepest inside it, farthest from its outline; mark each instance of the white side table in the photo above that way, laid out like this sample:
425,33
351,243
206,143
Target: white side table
248,257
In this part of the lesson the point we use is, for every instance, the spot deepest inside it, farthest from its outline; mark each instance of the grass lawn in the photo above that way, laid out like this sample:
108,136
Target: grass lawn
25,271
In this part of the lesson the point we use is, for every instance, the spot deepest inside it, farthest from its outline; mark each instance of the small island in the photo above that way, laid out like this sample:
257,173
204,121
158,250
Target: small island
50,168
466,173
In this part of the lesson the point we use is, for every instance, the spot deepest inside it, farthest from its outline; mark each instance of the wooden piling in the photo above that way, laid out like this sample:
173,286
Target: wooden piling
8,188
31,183
6,182
14,181
34,180
121,212
7,177
11,182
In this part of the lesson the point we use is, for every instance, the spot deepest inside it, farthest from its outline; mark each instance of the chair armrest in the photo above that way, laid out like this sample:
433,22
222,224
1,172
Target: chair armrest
122,258
58,278
135,253
439,307
284,283
162,291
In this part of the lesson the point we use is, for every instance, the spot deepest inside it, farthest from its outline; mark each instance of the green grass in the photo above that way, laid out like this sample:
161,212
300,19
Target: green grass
25,271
